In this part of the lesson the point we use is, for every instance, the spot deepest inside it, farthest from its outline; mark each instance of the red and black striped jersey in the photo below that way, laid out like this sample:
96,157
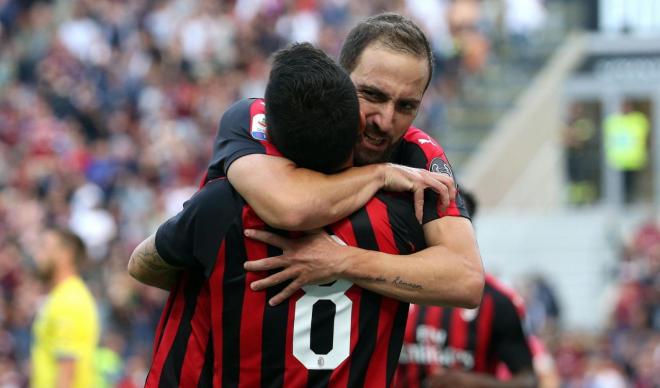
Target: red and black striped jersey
243,131
467,339
216,331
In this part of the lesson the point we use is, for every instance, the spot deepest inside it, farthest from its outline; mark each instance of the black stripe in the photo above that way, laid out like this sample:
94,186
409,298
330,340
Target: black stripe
171,373
206,375
421,320
447,317
233,287
318,378
404,225
396,340
273,353
447,314
369,306
471,344
412,155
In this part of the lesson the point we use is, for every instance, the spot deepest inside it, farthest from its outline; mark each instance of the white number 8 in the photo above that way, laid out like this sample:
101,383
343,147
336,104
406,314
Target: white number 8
341,334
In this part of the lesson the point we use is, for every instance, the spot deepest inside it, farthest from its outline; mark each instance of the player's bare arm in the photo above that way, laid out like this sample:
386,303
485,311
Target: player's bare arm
66,370
448,272
301,199
455,378
146,266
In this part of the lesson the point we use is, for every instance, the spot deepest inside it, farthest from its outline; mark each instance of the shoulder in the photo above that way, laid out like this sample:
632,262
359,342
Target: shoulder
419,149
216,199
244,106
73,297
504,296
242,111
420,139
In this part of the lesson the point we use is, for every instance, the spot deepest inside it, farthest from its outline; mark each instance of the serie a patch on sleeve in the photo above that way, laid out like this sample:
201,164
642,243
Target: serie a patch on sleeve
258,126
440,166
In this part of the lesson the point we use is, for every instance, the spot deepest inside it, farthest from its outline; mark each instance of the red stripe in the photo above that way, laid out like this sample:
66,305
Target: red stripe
170,330
411,369
339,378
203,181
459,331
193,362
484,331
164,318
217,299
295,374
379,219
252,314
344,230
377,212
376,374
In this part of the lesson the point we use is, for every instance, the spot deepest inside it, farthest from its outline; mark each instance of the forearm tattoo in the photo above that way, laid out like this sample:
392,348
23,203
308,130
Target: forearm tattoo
401,283
152,269
396,282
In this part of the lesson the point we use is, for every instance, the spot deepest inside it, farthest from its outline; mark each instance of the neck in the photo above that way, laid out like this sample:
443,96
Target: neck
61,275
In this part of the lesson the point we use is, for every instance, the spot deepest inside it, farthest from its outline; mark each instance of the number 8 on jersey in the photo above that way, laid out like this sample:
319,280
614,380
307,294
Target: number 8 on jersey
317,298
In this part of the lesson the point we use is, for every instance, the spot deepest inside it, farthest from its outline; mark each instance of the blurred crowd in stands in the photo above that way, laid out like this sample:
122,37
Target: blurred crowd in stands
108,109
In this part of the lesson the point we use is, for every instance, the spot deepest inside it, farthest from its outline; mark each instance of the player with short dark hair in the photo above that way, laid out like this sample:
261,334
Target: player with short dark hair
393,31
215,330
311,134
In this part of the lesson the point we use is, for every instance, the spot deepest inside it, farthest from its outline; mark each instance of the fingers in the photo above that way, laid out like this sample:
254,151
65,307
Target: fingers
273,279
435,182
264,264
285,293
448,181
419,204
266,237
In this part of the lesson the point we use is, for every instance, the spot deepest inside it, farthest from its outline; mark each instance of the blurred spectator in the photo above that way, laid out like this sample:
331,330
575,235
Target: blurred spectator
522,18
543,312
626,145
582,156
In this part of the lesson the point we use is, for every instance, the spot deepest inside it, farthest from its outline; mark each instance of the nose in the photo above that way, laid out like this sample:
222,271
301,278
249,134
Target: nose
385,117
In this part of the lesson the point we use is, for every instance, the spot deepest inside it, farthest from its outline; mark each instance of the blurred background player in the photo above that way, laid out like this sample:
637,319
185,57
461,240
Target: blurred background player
456,347
66,329
626,146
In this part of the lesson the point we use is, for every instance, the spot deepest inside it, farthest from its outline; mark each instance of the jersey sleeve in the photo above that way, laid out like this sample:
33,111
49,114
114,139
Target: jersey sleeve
419,150
241,132
511,345
191,239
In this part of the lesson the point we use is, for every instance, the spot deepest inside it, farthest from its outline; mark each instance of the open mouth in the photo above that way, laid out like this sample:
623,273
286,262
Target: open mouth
375,140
